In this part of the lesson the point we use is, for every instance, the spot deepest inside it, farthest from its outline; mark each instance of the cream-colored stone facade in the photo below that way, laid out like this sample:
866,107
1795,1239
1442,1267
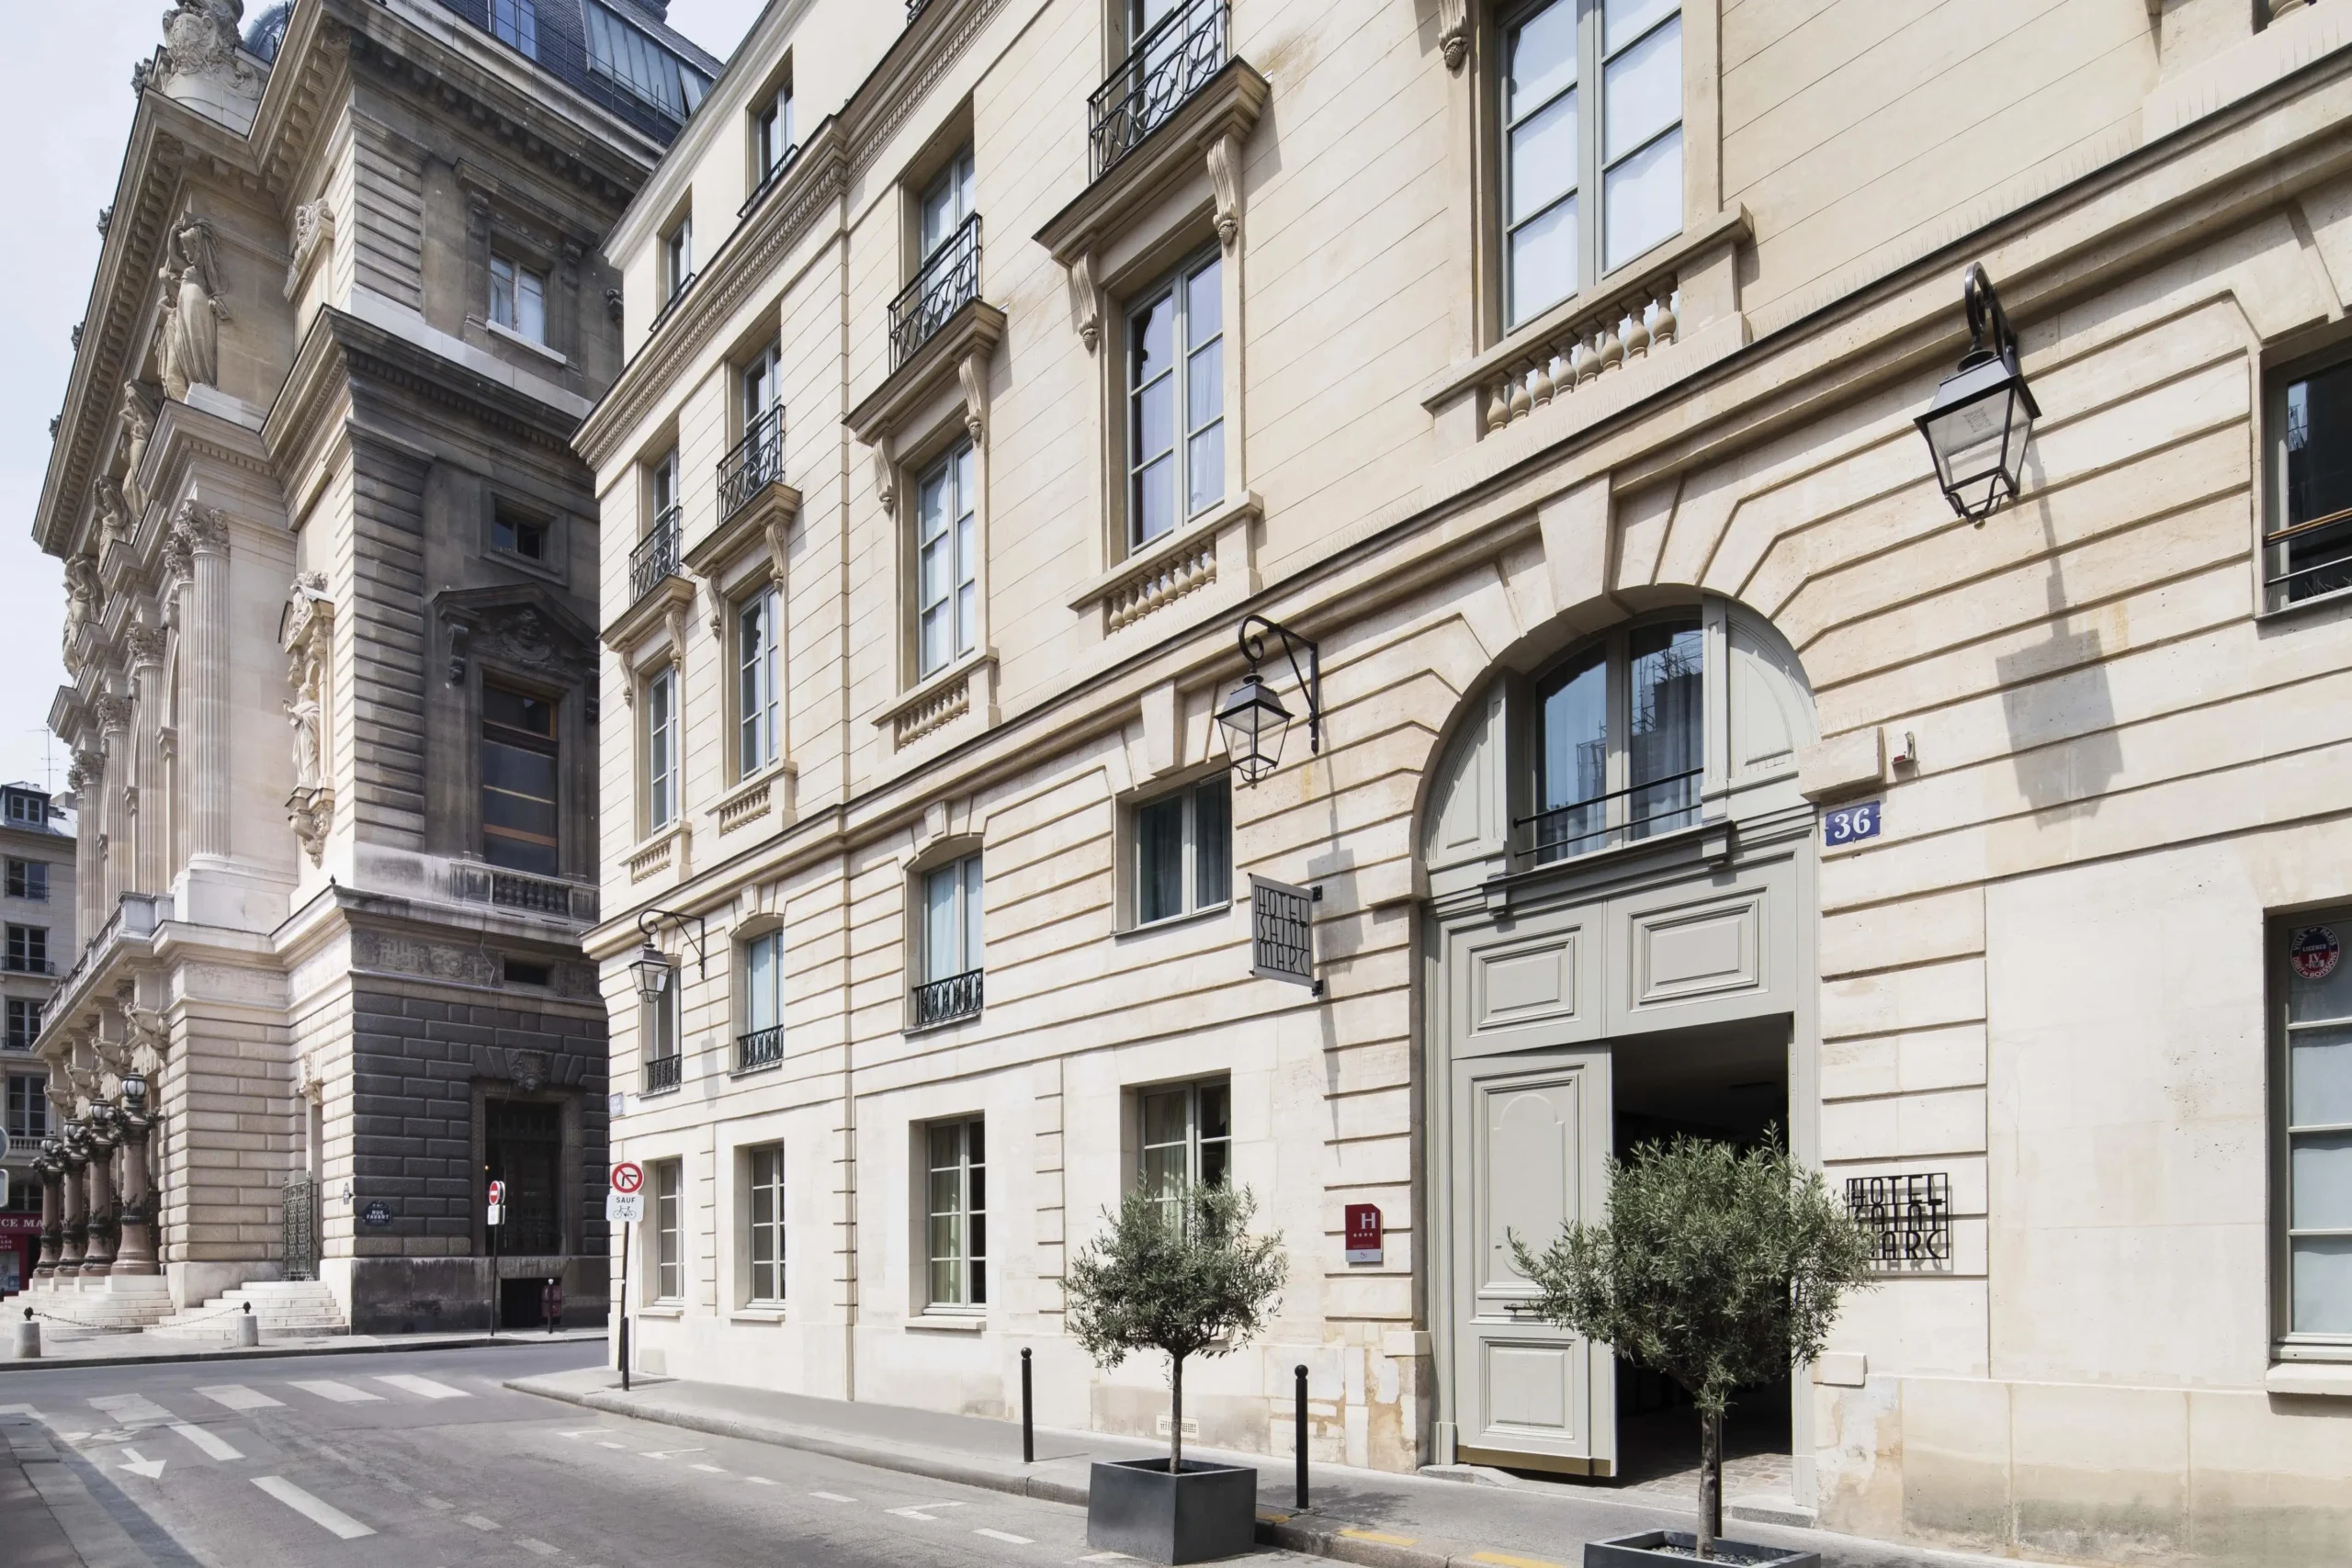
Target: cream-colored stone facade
2109,770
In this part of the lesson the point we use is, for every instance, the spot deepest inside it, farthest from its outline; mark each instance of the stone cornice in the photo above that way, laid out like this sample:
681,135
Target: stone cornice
972,332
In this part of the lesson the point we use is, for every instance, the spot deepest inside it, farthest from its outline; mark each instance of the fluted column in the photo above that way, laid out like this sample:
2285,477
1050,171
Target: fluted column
206,635
114,737
151,857
52,1215
97,1257
74,1233
88,781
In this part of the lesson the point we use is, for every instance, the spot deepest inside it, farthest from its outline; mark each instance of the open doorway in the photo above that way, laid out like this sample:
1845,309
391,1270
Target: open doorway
1728,1083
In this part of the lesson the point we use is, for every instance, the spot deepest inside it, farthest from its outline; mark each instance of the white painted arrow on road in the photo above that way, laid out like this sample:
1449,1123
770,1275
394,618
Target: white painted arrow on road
150,1468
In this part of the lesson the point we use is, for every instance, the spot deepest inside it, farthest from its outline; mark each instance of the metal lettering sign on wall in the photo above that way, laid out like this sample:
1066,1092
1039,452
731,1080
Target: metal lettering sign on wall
1282,933
1909,1219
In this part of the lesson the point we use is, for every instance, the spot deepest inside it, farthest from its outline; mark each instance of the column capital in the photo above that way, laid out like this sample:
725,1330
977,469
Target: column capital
89,766
203,528
144,645
112,713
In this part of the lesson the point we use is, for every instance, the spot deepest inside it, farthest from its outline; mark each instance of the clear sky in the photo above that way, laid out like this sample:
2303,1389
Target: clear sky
64,118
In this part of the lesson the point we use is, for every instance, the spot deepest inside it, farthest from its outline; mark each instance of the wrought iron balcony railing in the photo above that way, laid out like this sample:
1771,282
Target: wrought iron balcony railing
656,556
760,1048
768,182
661,1074
950,279
1168,65
755,463
21,964
1658,805
943,1001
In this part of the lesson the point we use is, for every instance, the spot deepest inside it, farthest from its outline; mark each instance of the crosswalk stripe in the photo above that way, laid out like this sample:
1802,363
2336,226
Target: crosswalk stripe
408,1382
237,1396
333,1520
132,1409
211,1445
339,1393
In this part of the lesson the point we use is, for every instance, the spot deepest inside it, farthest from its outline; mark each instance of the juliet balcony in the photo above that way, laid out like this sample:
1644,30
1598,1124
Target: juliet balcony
945,1001
949,280
752,464
1170,63
760,1048
656,556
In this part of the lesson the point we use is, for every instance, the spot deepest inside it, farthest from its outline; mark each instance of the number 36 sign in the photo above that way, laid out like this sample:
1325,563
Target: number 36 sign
1852,824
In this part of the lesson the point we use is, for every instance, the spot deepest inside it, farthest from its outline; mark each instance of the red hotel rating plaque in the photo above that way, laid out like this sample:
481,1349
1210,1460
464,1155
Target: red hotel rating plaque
1363,1232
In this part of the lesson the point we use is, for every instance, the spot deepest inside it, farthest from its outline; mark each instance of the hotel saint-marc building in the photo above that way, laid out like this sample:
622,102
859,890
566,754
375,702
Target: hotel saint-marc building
1680,759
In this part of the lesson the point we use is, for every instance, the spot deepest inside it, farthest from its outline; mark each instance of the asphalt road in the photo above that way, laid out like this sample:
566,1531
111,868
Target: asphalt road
420,1460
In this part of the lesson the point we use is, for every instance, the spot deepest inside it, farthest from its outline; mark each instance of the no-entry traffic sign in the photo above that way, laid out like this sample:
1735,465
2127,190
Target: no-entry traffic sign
628,1176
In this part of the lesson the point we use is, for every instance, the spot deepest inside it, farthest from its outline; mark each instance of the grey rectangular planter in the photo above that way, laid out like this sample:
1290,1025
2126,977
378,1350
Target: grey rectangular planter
1205,1512
1643,1551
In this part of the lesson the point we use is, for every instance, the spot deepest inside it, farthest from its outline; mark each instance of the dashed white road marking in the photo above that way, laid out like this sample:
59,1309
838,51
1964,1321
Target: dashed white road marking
759,1481
1007,1537
710,1469
832,1497
132,1410
237,1396
539,1546
479,1522
922,1511
331,1518
436,1504
623,1447
672,1453
336,1392
1107,1557
211,1445
408,1382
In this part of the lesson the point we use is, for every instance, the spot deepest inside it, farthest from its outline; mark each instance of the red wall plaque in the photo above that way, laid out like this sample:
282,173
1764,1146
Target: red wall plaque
1363,1232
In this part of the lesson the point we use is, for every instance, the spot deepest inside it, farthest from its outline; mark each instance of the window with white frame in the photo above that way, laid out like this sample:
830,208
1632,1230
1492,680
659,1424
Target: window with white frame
1186,1142
663,479
518,299
668,1231
771,140
2316,1141
762,1042
946,202
1184,850
762,383
1621,744
678,257
1175,390
2307,539
947,594
28,1107
951,898
662,748
24,1023
766,1216
955,1218
1591,101
516,24
29,949
759,674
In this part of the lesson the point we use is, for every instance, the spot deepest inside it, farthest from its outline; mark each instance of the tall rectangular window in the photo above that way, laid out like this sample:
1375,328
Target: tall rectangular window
678,257
1184,850
28,1110
665,481
516,24
759,671
29,949
762,383
767,1224
520,814
1187,1140
662,748
771,140
668,1231
1591,100
2307,550
952,919
1176,401
764,982
946,202
946,565
24,1023
28,879
2318,1132
518,299
956,1220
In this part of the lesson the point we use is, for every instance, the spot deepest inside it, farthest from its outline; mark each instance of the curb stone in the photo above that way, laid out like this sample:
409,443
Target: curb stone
80,1363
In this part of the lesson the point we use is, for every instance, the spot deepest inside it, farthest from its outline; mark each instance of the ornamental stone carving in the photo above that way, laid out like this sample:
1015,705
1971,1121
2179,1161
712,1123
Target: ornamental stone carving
1453,32
313,226
193,306
114,514
80,599
201,38
202,529
306,631
143,645
137,427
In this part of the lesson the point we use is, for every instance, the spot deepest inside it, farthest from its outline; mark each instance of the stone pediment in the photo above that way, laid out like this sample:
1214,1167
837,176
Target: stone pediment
524,626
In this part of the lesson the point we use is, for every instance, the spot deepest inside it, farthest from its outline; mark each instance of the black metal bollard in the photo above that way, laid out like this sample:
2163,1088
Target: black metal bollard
1028,1415
1300,1441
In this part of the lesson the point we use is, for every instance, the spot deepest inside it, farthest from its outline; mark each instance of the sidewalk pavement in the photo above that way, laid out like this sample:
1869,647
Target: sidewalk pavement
142,1348
1465,1516
56,1512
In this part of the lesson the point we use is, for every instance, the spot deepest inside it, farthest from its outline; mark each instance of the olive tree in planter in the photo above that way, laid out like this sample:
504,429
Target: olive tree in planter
1717,1268
1183,1276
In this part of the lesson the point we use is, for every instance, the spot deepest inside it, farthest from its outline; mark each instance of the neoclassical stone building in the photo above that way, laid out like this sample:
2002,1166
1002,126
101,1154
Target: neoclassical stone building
1681,760
332,637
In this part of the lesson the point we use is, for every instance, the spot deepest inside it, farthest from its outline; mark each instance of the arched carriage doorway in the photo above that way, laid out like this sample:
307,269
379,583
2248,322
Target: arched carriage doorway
1619,945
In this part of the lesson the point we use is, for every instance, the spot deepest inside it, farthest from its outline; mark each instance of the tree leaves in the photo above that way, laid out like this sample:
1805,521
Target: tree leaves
1198,1286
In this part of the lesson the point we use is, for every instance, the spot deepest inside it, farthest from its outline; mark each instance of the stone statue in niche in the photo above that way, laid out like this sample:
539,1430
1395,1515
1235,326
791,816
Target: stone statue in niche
81,596
193,307
306,631
302,713
114,516
136,428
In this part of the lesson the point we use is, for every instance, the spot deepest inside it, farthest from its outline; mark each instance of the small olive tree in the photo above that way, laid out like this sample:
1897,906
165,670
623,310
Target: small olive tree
1183,1276
1717,1268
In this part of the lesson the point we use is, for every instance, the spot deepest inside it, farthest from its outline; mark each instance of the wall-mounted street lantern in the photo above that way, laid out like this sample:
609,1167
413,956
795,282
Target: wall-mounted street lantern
1976,428
1253,715
652,965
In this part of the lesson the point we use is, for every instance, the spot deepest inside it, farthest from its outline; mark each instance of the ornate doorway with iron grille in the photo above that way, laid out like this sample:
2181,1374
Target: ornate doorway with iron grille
523,1147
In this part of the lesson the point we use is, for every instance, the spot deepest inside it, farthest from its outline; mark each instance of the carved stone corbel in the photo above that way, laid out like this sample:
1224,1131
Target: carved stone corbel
774,531
886,484
971,374
1453,32
1086,304
1224,176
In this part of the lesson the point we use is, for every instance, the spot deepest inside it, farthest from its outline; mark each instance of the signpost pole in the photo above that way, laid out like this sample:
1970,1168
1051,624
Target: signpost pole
629,1231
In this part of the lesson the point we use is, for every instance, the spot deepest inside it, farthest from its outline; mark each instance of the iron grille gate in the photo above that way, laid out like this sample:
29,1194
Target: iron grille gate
299,1200
526,1150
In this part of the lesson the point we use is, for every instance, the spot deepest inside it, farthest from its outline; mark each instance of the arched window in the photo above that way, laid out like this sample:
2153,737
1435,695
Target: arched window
1620,744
